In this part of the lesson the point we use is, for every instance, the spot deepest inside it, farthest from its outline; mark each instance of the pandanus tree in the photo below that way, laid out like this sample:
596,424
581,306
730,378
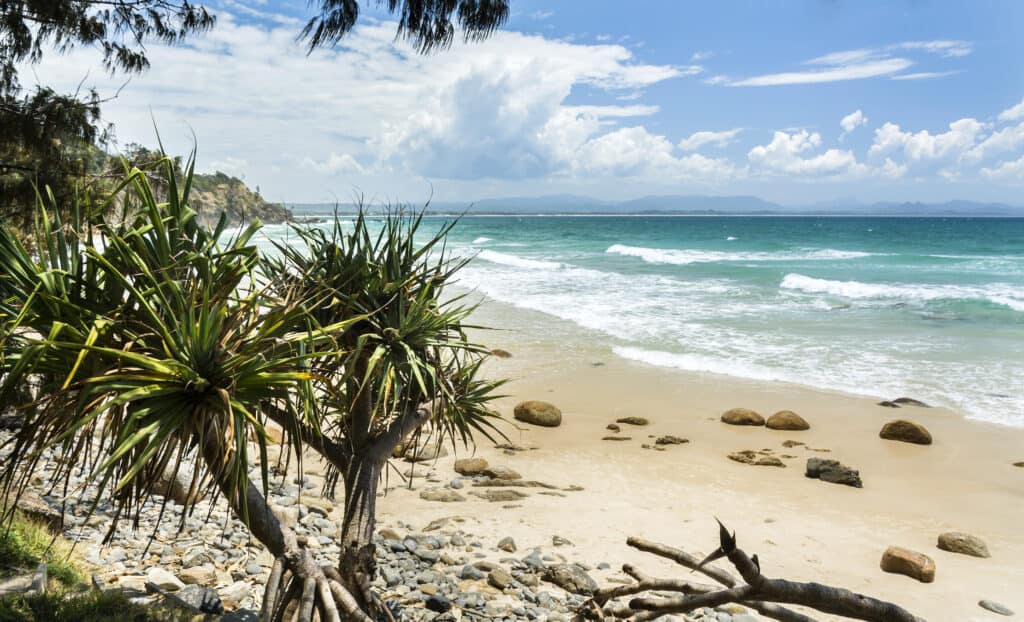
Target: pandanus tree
156,344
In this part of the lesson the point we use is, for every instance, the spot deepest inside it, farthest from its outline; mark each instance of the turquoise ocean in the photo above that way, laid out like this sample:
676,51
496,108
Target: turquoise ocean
931,308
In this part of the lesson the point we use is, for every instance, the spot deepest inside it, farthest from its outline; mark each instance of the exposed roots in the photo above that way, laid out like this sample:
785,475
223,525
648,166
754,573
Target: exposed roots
299,590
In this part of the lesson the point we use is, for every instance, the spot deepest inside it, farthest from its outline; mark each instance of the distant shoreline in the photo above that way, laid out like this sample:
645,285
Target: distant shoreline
301,216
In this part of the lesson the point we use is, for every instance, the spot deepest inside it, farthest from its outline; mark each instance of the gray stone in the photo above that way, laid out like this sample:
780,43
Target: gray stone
570,578
471,573
963,543
500,579
507,544
201,599
995,607
833,471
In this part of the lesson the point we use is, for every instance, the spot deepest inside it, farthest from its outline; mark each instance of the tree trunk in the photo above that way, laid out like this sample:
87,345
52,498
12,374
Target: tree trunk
357,563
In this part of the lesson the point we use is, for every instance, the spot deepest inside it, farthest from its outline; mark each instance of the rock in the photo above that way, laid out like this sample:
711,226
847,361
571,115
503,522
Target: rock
749,456
614,427
906,431
205,574
538,413
500,495
570,578
163,579
36,508
787,420
471,573
669,439
233,595
910,563
175,486
833,471
507,544
389,534
429,450
616,438
888,404
499,579
791,444
963,543
502,354
470,466
995,607
1019,464
444,495
560,541
909,401
201,599
742,416
501,472
633,420
437,603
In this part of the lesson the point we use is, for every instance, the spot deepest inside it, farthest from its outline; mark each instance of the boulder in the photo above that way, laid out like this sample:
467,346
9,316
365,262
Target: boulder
749,456
833,471
501,472
906,431
669,439
429,450
570,578
903,561
633,420
787,420
538,413
742,416
502,354
201,599
470,466
163,579
963,543
175,486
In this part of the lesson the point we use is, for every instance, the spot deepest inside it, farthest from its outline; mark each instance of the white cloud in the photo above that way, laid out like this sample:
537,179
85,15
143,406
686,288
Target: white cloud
852,71
696,57
717,139
541,15
924,146
1008,139
1013,112
335,164
949,49
852,121
1011,170
862,64
783,155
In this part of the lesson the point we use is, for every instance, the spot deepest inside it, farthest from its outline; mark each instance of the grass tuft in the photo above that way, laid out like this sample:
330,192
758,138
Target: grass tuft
25,543
93,606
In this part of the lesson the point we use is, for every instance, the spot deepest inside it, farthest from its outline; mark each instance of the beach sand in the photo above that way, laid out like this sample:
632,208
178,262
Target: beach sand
801,528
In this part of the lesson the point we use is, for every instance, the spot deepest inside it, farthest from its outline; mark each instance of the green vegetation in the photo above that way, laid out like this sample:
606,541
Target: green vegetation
25,543
177,344
95,606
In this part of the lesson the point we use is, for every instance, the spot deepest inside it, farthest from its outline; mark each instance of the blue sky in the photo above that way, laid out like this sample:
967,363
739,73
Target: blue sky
797,102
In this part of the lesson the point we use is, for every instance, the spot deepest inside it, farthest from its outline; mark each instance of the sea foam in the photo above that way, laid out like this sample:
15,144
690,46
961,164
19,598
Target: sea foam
1000,294
682,257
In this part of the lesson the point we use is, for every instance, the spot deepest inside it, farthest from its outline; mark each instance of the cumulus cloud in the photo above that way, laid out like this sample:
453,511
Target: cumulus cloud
1011,170
784,155
334,164
852,121
924,146
716,139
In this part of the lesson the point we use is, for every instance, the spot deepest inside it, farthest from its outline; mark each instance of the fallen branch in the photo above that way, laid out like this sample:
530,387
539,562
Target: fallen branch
751,589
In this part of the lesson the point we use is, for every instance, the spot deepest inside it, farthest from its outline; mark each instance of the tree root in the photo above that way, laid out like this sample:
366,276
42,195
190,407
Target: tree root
299,590
751,589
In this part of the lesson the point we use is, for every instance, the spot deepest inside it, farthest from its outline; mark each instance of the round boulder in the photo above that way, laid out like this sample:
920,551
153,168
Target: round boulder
903,561
963,543
538,413
742,416
470,466
906,431
787,420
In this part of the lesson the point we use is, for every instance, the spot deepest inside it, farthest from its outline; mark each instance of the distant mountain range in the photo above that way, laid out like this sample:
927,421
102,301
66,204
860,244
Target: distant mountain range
693,205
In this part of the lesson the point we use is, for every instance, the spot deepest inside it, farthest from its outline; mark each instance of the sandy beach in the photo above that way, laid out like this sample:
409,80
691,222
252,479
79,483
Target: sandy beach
801,528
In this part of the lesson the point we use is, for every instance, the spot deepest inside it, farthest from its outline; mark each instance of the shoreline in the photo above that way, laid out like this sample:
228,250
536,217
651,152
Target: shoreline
803,529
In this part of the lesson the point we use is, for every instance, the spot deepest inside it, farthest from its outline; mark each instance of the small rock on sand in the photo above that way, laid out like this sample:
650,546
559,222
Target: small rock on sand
500,495
502,354
616,438
906,431
995,607
501,472
570,578
833,471
614,427
787,420
1019,464
500,579
791,444
538,413
442,495
963,543
669,439
909,401
470,466
633,420
903,561
749,456
742,416
507,544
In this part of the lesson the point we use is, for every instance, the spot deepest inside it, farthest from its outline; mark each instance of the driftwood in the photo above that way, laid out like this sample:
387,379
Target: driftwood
751,589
